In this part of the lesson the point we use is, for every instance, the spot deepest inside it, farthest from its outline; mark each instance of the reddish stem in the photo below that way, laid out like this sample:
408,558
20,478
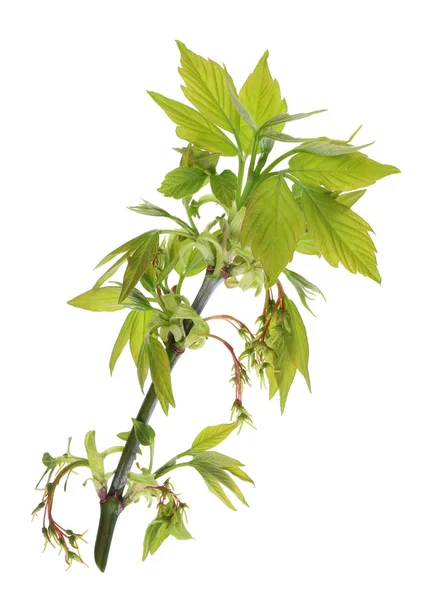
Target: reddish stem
230,320
237,364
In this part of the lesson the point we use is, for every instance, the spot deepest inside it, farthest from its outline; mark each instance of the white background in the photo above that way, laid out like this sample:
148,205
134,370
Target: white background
337,512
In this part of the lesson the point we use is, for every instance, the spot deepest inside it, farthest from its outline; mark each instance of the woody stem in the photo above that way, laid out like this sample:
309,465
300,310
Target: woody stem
112,507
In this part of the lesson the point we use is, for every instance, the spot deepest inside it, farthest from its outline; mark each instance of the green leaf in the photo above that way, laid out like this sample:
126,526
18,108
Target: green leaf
112,270
178,529
105,299
340,173
350,198
232,465
283,137
272,226
144,433
214,487
139,302
297,340
139,262
306,246
160,371
303,287
206,161
219,475
286,118
151,210
284,373
156,533
124,435
143,364
127,247
237,472
240,108
195,128
138,331
224,187
211,436
329,148
261,97
216,458
194,157
206,88
121,340
183,181
340,234
272,382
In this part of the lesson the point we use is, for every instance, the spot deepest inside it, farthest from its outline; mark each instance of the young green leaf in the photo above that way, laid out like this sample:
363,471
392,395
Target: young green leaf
261,97
282,137
232,465
183,181
105,299
272,381
286,118
178,529
339,173
139,262
143,364
122,339
339,233
306,246
242,110
129,247
156,533
195,128
143,432
219,475
303,287
112,270
284,372
160,371
329,148
194,157
214,487
206,88
350,198
224,187
272,226
297,340
139,329
216,458
211,436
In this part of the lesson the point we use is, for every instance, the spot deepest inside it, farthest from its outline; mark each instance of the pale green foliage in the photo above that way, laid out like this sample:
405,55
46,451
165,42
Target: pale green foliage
262,98
122,339
212,436
139,262
195,128
224,187
183,182
340,173
264,213
296,339
206,87
105,299
160,371
339,233
272,226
